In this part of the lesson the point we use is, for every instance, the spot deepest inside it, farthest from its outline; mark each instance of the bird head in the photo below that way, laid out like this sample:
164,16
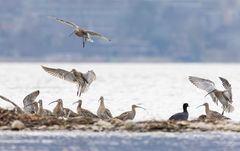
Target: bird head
204,104
185,105
58,100
136,106
79,101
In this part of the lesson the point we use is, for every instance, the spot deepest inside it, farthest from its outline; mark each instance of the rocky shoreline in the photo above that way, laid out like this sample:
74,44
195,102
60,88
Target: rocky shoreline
9,120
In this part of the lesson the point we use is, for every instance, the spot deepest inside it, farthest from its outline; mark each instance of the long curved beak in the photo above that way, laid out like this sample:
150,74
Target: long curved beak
140,107
75,102
199,106
53,102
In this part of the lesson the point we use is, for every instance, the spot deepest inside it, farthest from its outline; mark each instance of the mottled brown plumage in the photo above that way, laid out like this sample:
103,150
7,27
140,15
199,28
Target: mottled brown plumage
84,112
43,112
80,32
213,114
129,115
224,97
102,112
83,80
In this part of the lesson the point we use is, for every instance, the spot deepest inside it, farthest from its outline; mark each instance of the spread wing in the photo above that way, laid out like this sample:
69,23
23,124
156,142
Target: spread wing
203,84
90,76
60,73
225,83
109,114
92,33
28,101
65,22
228,87
16,106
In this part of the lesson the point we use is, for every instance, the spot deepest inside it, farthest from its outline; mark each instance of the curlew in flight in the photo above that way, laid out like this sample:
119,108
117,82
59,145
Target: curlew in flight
224,96
83,80
80,32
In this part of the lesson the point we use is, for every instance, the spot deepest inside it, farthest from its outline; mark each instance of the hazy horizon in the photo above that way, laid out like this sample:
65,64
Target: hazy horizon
141,31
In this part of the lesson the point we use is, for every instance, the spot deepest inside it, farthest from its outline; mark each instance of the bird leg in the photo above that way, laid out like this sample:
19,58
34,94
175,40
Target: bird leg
83,41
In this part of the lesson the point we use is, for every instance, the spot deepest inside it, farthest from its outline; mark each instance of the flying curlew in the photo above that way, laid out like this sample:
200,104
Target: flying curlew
80,32
224,97
84,112
182,115
212,114
129,115
41,111
102,112
83,80
28,103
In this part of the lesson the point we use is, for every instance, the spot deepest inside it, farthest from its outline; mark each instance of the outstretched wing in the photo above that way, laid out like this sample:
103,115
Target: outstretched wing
228,87
62,74
28,101
90,76
109,114
65,22
93,33
225,83
203,84
16,106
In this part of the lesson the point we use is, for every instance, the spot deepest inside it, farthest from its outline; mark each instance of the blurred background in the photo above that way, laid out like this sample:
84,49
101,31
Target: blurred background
141,30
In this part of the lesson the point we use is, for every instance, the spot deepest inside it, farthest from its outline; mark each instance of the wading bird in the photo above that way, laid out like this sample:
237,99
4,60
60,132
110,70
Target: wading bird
182,115
41,111
224,97
83,80
213,114
60,111
129,115
28,103
102,112
84,112
80,32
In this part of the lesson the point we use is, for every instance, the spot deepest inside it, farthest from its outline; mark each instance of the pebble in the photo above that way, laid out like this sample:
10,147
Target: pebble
17,125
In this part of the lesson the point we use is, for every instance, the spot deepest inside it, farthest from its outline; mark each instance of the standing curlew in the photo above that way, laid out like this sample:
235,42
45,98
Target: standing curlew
83,80
84,112
60,111
182,115
28,103
224,97
41,111
80,32
212,114
129,115
102,112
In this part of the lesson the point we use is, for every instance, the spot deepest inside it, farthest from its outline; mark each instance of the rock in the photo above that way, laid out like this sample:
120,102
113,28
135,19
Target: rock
129,125
104,124
5,128
17,125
